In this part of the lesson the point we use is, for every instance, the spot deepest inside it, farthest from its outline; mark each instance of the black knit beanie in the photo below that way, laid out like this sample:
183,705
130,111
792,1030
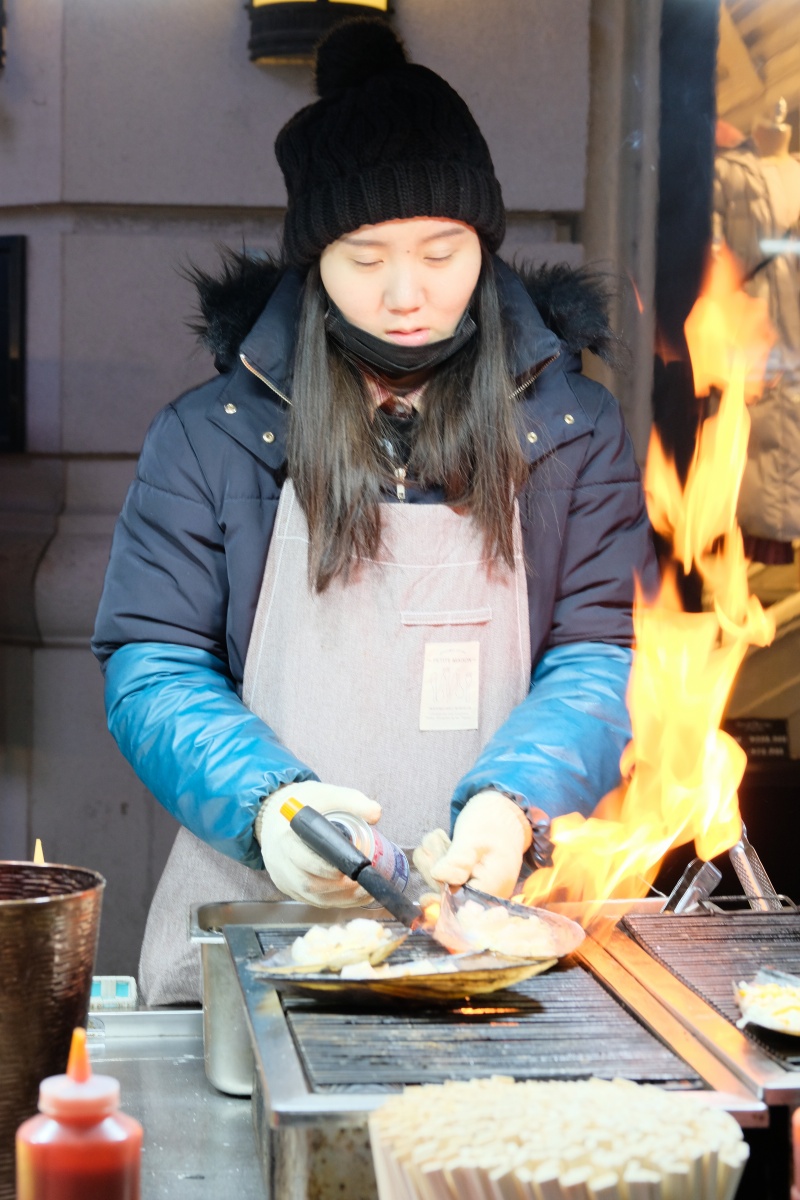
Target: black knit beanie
386,139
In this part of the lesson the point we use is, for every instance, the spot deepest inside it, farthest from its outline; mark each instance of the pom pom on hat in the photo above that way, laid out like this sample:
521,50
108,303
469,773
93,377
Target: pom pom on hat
355,51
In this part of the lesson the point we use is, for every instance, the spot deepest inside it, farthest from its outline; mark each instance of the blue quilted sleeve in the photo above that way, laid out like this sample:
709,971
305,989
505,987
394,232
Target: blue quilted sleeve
177,718
560,748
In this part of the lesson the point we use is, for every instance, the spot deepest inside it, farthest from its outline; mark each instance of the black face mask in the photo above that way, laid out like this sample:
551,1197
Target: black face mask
386,357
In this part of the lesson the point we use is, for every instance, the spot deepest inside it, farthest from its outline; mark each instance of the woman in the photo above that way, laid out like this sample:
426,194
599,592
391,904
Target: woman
385,561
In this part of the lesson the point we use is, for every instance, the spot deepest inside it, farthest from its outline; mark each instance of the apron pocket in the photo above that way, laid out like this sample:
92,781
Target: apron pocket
457,616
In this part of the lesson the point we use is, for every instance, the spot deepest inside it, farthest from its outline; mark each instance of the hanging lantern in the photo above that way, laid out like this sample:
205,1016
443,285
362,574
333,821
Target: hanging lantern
286,31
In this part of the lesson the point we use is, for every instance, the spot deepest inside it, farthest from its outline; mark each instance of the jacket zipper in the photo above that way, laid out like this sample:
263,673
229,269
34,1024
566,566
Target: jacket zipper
400,475
253,371
535,375
517,391
399,472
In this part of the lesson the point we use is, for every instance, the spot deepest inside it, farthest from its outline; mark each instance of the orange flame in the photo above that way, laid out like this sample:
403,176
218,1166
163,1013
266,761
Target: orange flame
681,772
725,324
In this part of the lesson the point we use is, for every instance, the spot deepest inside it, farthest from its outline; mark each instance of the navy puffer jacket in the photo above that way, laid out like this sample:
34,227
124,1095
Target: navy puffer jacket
192,540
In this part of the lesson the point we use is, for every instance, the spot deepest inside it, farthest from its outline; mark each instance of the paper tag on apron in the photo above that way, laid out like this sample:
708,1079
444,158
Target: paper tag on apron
450,693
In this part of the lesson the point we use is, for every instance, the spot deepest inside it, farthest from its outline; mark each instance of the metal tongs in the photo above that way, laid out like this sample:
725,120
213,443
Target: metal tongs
752,876
700,879
694,886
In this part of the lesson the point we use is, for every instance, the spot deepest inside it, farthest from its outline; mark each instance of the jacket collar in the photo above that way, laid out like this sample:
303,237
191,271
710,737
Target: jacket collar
531,342
269,346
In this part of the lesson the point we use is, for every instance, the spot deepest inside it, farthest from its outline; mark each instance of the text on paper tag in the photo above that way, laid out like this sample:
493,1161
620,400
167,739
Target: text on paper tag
450,689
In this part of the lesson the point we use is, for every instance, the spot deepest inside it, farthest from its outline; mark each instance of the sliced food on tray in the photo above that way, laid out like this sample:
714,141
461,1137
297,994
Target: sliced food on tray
332,947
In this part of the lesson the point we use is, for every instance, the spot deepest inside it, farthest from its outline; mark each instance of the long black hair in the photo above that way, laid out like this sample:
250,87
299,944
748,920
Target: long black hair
466,439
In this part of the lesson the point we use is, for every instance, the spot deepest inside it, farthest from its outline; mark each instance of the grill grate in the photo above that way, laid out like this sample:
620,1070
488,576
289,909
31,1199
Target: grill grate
712,952
562,1025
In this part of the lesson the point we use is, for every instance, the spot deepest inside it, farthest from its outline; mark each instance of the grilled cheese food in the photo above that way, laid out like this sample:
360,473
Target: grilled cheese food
768,1003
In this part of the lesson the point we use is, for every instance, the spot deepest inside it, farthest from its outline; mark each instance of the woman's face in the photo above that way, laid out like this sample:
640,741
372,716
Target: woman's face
407,281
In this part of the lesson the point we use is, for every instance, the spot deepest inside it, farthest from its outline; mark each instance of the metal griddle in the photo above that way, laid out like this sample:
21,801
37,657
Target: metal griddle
322,1066
561,1025
691,962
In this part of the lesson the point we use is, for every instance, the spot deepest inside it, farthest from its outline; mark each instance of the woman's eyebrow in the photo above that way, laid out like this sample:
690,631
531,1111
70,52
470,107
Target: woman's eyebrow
456,231
357,240
362,241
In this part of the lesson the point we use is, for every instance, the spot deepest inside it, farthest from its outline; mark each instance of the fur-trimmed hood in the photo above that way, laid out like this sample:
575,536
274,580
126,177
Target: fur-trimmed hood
573,304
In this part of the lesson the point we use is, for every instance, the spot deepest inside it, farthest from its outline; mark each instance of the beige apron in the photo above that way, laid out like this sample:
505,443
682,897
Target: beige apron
346,678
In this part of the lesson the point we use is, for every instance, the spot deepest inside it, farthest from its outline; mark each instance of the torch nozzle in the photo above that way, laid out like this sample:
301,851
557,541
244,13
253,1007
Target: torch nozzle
291,807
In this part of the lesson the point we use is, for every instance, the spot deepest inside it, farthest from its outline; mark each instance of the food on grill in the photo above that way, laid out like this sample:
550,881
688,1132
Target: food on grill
422,966
608,1141
331,947
364,942
772,1000
495,928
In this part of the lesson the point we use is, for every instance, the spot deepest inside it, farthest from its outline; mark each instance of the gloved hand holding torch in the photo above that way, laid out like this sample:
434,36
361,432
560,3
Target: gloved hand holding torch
292,866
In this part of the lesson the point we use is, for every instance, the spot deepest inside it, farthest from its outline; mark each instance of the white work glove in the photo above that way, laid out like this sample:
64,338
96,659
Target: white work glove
293,866
428,853
491,835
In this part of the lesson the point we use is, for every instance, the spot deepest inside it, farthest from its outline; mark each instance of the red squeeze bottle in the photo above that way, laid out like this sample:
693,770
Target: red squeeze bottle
80,1147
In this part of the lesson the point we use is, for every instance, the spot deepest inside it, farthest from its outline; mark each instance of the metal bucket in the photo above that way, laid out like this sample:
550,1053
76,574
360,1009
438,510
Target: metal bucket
49,922
226,1041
